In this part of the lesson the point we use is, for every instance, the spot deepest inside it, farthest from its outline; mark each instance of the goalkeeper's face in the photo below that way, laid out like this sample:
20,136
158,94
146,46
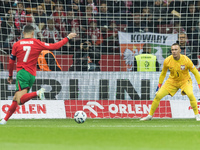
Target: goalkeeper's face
175,49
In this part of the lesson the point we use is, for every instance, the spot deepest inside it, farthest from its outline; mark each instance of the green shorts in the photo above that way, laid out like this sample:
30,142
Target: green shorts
24,80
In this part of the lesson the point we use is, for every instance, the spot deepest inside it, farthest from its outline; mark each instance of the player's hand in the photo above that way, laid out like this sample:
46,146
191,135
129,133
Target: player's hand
158,87
10,79
71,35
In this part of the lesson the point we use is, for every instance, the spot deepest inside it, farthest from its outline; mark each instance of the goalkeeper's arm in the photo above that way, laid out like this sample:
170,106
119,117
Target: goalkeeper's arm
196,74
162,77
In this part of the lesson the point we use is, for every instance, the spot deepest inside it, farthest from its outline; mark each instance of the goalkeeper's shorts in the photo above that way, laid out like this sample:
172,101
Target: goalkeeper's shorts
173,86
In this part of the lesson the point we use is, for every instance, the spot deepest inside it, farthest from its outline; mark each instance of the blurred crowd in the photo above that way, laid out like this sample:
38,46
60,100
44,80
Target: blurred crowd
98,21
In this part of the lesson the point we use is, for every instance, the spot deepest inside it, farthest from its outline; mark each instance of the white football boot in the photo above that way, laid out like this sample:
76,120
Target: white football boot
197,117
41,93
2,122
149,117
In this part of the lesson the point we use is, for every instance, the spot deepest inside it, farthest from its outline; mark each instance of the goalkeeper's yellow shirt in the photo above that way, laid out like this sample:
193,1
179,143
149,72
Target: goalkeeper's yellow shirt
179,69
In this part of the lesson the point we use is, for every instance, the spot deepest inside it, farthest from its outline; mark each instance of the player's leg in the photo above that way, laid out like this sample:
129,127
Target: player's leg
169,88
24,81
188,90
10,111
160,94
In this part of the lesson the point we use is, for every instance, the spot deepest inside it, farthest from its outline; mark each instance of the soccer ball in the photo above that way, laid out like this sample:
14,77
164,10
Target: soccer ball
80,116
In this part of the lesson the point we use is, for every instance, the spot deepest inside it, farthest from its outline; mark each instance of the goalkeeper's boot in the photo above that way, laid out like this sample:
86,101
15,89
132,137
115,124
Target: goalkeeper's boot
2,122
197,117
149,117
41,93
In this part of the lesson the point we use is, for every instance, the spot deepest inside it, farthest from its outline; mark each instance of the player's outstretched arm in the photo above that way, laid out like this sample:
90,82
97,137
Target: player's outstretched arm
196,74
47,46
162,76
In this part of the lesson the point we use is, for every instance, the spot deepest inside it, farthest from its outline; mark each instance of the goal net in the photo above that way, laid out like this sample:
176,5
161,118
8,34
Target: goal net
98,70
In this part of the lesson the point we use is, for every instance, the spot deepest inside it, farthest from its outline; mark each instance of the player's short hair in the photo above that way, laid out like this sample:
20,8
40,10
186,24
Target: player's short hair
175,44
28,28
146,47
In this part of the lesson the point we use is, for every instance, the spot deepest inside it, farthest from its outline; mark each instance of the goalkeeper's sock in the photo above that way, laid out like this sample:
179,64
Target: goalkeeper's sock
194,106
11,110
154,106
26,97
162,93
193,101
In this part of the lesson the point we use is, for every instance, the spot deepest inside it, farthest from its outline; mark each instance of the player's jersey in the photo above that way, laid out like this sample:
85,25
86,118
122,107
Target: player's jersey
27,51
179,69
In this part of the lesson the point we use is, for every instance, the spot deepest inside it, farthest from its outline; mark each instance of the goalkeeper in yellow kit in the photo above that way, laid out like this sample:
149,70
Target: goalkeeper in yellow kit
179,78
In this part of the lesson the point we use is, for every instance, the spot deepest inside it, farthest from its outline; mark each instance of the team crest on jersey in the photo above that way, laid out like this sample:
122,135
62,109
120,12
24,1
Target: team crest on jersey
182,67
46,44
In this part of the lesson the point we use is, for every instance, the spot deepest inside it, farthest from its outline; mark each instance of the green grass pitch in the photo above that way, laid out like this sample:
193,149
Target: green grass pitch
100,134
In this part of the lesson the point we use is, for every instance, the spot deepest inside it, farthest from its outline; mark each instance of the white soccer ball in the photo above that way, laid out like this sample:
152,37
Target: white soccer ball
80,116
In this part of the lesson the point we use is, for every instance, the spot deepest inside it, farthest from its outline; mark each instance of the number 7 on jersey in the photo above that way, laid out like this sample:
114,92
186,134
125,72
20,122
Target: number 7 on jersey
27,49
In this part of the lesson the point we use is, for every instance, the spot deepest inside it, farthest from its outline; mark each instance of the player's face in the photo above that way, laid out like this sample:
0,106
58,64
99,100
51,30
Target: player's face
175,49
103,8
182,39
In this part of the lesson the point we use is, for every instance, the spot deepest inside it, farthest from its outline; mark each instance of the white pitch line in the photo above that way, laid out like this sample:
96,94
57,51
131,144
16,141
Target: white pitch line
102,126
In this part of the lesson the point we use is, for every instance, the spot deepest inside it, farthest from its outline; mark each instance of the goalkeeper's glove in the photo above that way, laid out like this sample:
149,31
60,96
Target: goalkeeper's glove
158,87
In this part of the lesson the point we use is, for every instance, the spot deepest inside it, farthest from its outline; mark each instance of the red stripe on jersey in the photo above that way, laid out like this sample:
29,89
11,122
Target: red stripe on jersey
19,86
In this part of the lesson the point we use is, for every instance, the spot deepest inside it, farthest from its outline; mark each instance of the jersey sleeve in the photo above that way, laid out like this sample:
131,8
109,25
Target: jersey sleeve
13,53
47,46
164,72
194,70
12,61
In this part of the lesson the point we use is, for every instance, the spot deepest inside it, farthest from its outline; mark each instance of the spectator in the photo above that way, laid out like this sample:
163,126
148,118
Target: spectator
76,8
192,16
86,16
116,6
185,47
135,25
6,7
50,34
86,59
103,16
73,24
30,5
177,27
160,14
47,62
182,41
59,17
195,37
111,40
128,5
9,33
147,19
94,33
118,10
20,16
37,33
94,7
146,62
178,7
40,17
48,7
